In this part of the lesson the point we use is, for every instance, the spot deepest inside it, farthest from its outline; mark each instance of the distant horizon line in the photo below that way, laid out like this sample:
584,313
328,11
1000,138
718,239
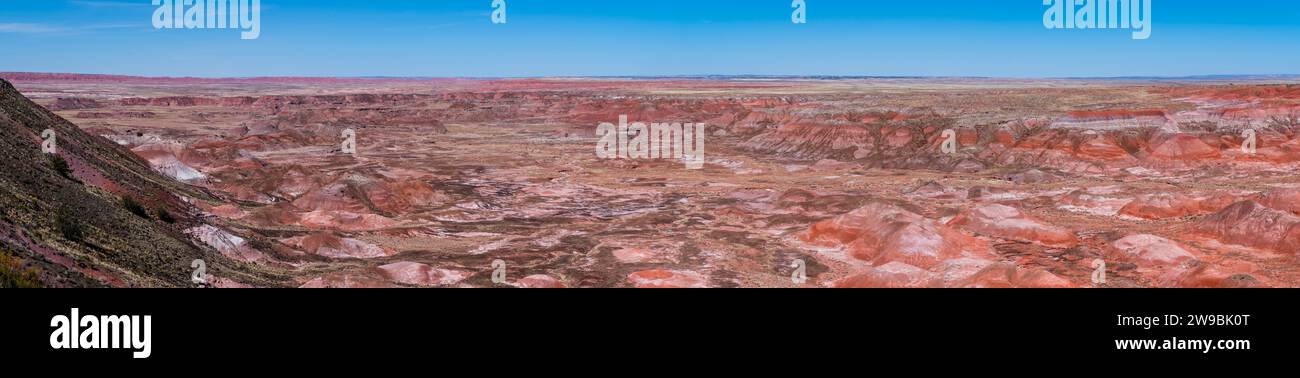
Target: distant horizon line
54,75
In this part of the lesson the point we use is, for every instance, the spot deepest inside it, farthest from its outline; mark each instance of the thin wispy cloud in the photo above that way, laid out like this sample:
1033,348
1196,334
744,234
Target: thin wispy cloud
25,28
114,26
567,38
424,27
109,4
31,28
46,28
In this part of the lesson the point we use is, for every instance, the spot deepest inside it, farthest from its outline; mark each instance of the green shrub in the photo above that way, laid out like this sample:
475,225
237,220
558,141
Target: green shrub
60,165
134,207
164,216
12,274
69,226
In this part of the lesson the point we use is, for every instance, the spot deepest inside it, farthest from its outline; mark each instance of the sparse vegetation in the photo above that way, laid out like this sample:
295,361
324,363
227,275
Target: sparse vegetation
1200,126
13,275
164,216
72,231
1284,123
60,165
134,207
1022,130
69,226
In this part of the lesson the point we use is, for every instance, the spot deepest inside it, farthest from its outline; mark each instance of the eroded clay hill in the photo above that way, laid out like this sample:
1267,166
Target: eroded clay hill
846,181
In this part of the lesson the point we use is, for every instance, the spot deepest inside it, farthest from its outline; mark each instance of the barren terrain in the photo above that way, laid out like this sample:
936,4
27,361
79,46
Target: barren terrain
844,180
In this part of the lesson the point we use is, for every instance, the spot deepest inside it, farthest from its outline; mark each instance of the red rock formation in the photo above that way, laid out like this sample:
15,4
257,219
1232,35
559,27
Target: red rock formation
1102,148
891,275
1282,199
1197,274
1250,224
1181,147
412,273
1163,205
1113,114
1007,222
75,104
116,114
333,197
809,140
400,195
1003,275
640,255
883,233
1287,152
164,160
667,279
1105,201
347,280
345,221
228,244
1150,251
333,246
540,281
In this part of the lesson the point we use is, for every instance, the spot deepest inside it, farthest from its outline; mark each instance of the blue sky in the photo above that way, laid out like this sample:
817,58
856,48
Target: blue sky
455,38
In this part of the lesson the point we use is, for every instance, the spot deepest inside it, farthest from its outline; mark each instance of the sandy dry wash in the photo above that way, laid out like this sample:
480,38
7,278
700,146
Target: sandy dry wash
846,178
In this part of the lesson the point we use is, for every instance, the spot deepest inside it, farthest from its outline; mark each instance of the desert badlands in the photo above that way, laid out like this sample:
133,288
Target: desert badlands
830,182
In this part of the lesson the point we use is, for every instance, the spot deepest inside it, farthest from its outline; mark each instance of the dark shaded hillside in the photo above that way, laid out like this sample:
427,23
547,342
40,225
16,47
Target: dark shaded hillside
71,224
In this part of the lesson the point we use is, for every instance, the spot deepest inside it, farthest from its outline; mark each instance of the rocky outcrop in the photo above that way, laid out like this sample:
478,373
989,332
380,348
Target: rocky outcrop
75,103
667,279
1251,224
1181,147
1150,251
883,233
1007,222
1282,199
332,246
412,273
